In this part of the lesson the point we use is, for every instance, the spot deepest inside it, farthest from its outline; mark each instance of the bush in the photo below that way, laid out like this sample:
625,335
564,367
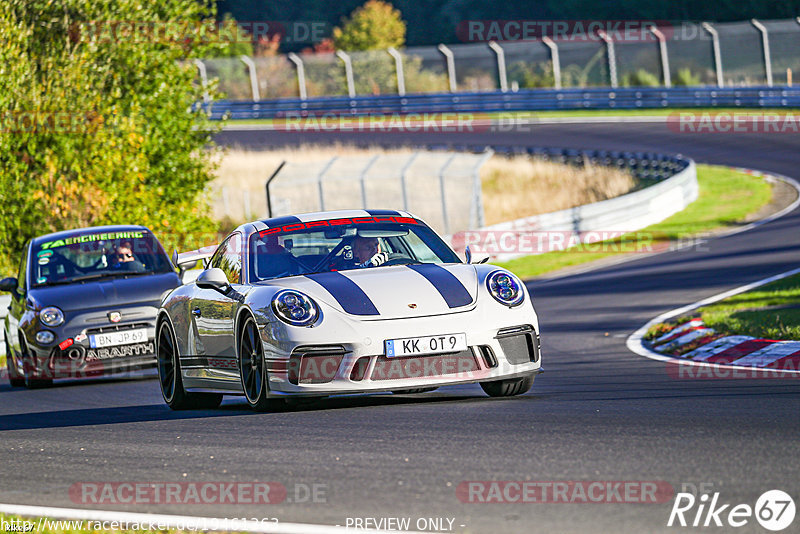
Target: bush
128,150
686,78
532,75
640,78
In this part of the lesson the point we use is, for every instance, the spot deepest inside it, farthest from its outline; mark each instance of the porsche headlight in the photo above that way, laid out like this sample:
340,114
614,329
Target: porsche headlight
295,308
51,316
505,288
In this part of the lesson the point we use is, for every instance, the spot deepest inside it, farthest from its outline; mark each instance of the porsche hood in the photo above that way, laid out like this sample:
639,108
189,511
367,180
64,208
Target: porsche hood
395,292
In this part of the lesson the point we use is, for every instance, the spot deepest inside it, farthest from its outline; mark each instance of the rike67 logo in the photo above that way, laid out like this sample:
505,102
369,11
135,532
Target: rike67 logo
774,510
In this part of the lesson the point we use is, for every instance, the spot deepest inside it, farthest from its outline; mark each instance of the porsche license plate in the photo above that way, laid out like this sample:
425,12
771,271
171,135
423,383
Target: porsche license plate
123,337
410,346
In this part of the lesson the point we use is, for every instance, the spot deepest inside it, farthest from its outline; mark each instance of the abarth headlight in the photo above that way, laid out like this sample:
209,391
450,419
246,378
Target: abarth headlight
51,316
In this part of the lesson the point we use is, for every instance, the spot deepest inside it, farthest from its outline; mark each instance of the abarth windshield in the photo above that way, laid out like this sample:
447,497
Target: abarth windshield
92,255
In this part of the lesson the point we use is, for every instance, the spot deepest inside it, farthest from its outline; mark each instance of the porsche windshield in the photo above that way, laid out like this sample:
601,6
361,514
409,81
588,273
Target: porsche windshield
344,244
93,255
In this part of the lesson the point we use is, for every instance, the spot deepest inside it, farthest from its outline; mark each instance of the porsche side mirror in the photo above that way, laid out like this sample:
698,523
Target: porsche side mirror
213,278
8,285
468,254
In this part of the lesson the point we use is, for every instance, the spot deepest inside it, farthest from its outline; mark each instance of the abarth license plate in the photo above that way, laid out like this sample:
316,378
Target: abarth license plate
411,346
123,337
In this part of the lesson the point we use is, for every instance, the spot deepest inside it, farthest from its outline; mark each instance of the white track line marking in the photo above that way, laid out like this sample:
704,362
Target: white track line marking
769,354
635,340
178,521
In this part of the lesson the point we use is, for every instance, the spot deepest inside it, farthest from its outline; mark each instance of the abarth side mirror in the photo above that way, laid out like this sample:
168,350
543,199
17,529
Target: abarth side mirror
9,285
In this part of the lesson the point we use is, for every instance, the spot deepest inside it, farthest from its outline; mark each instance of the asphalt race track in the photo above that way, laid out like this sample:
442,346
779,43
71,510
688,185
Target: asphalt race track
599,412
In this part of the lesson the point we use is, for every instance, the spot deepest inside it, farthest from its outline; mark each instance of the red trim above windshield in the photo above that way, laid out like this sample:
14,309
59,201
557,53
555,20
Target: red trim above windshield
335,222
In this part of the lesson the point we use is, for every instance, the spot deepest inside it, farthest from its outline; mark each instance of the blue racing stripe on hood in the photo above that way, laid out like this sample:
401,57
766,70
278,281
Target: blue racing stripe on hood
350,297
445,282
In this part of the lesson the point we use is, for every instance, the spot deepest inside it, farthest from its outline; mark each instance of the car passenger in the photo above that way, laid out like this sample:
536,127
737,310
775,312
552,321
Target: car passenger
273,260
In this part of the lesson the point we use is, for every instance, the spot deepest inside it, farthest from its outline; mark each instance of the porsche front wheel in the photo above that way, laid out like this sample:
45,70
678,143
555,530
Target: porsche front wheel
251,367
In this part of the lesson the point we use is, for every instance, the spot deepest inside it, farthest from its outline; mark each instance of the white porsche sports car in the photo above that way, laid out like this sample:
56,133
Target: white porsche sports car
341,302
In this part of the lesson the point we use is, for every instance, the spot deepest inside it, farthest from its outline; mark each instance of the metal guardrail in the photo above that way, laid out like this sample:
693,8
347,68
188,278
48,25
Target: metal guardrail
675,187
590,223
643,165
523,100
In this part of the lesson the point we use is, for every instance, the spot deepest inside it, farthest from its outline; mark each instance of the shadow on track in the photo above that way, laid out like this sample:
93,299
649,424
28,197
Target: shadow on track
65,383
160,412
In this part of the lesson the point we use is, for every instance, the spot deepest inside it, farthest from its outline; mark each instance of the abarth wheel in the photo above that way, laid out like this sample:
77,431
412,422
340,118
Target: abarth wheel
31,378
15,378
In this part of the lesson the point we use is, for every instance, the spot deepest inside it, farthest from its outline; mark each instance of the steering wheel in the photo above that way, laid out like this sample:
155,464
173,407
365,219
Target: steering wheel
398,260
70,267
330,255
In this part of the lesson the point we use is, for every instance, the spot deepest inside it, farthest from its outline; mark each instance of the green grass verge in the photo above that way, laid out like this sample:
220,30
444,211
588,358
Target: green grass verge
726,198
770,312
579,113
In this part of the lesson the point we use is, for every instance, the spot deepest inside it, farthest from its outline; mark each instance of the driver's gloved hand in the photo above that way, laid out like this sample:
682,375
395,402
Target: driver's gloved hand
378,259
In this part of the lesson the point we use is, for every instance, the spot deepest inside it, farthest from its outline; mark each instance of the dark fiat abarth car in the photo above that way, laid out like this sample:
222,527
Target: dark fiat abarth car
84,304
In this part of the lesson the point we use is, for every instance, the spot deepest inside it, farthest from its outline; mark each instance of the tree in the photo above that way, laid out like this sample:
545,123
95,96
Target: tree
374,26
100,123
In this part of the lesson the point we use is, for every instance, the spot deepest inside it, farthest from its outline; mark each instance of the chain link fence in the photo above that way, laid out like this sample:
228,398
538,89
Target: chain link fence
686,54
443,188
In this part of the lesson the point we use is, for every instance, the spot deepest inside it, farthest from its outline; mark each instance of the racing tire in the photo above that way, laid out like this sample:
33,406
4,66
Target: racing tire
29,377
15,378
169,375
508,388
252,368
